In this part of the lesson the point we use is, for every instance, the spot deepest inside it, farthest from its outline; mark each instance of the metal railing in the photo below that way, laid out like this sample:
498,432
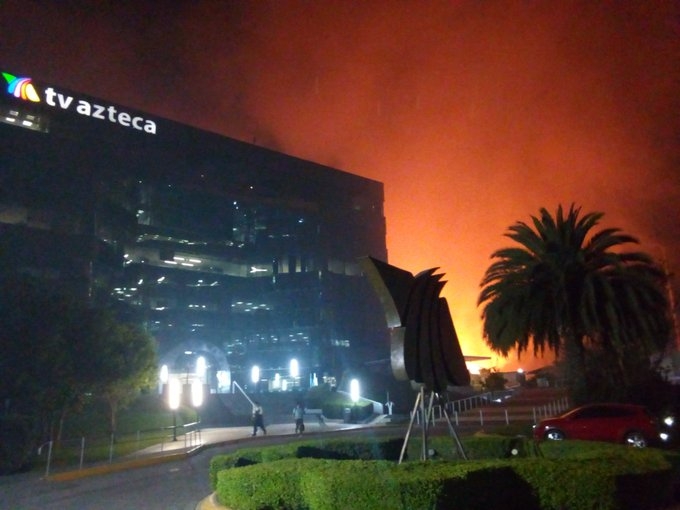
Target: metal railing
482,399
490,408
77,453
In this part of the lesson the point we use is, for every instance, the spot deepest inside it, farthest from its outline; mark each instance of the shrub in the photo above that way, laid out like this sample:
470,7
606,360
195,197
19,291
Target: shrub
346,449
333,403
247,457
261,486
328,485
333,449
571,474
587,480
475,447
465,485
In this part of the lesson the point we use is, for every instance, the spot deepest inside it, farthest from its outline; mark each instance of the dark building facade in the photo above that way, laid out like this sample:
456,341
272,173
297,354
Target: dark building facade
243,255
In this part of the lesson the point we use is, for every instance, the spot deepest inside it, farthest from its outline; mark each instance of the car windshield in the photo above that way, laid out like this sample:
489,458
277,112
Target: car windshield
600,411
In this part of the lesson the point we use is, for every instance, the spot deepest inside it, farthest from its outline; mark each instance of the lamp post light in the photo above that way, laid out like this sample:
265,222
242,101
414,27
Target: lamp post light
163,378
354,395
294,371
201,368
354,390
521,377
255,376
174,394
197,399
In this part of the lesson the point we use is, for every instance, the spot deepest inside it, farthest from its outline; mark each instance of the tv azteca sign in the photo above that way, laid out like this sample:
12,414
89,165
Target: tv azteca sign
23,88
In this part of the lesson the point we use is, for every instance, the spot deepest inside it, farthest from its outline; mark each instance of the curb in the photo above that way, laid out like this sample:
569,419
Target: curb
119,466
210,503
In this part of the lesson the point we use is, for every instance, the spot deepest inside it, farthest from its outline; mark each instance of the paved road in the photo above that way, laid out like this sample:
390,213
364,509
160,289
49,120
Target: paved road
177,485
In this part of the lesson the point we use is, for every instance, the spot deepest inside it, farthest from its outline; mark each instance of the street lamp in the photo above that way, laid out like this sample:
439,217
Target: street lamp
294,371
163,378
354,390
174,394
255,376
201,368
354,396
197,398
521,377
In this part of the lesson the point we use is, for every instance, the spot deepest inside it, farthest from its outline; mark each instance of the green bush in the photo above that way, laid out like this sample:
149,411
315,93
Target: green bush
333,403
329,485
570,474
597,483
345,449
263,486
489,487
598,475
332,449
594,450
249,456
475,447
464,485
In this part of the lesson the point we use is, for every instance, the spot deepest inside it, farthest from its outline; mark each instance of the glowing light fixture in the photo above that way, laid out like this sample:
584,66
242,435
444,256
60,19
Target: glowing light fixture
354,390
201,367
174,393
174,396
197,393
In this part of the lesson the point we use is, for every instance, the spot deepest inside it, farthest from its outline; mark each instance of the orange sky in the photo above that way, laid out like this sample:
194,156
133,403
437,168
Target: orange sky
473,114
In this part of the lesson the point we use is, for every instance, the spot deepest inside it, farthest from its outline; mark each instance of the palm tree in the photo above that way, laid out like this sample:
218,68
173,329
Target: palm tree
578,294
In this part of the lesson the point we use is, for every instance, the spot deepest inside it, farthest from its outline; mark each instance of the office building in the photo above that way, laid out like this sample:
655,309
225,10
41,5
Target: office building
225,251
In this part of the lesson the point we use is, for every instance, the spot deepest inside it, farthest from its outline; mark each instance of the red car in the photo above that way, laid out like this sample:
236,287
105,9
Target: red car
616,423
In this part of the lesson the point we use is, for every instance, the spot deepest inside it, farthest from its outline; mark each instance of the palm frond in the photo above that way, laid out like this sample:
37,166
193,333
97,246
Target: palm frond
564,283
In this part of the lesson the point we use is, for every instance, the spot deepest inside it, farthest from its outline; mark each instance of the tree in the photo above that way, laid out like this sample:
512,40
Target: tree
37,365
492,380
124,361
577,293
39,380
55,350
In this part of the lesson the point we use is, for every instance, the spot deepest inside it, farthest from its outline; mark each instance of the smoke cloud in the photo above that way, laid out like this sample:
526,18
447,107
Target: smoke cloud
473,114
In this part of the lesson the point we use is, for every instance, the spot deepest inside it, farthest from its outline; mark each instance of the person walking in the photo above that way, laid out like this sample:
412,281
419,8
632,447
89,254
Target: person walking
258,418
298,415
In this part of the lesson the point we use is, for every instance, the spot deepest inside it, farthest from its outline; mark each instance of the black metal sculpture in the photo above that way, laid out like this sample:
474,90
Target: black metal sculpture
424,347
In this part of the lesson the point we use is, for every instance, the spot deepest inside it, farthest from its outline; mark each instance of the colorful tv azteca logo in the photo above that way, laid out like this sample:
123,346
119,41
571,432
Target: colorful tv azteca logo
21,88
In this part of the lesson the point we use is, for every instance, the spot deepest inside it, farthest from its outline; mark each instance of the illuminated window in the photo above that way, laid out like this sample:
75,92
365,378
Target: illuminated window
22,119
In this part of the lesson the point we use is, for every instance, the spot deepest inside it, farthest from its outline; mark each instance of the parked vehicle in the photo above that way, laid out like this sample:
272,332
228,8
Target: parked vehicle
616,423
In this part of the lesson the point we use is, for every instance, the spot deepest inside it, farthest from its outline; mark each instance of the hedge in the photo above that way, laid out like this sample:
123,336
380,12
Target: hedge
570,475
333,449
